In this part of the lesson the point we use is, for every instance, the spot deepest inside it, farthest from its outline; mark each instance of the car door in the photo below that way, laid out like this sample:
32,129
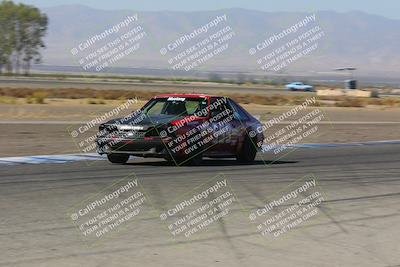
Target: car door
224,127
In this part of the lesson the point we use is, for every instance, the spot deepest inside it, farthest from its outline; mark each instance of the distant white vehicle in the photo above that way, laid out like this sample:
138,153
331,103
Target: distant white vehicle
299,86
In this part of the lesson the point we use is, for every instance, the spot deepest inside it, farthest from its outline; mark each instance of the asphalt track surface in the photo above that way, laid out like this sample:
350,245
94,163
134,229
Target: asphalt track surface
357,225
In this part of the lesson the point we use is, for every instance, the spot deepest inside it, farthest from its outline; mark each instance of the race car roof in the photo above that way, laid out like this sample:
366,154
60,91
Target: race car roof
185,95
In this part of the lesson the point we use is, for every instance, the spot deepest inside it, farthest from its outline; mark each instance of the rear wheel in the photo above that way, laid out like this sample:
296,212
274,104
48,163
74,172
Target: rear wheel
118,158
248,152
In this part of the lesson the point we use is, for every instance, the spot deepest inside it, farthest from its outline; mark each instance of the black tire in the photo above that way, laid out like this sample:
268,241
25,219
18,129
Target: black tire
118,158
248,152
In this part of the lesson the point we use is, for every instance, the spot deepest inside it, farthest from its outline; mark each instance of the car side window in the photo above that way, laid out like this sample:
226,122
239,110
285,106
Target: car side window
238,112
221,107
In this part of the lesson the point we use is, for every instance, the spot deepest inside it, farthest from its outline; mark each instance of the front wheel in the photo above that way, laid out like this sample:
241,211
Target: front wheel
248,152
118,158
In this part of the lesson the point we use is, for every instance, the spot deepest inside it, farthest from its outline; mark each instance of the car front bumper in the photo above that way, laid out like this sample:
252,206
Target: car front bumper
148,147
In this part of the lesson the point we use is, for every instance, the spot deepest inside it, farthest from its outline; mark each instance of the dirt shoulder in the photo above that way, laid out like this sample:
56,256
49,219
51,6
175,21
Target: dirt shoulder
33,129
70,110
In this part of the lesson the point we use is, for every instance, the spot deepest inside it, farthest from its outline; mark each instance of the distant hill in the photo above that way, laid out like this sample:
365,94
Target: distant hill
369,42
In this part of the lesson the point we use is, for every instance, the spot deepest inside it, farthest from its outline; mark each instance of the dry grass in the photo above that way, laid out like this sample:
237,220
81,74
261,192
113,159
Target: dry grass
8,100
340,101
393,102
351,102
92,101
73,93
274,100
96,97
37,97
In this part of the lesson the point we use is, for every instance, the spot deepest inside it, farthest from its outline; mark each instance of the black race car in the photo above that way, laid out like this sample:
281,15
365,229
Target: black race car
182,128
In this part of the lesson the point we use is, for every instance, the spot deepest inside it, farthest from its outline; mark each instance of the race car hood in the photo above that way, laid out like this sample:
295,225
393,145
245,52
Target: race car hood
143,121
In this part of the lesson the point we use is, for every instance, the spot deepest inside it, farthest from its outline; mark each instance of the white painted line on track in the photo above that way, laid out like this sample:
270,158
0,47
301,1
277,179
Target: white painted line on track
67,158
41,159
268,149
43,122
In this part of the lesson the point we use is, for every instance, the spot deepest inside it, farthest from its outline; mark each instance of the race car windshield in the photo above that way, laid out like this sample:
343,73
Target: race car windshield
177,106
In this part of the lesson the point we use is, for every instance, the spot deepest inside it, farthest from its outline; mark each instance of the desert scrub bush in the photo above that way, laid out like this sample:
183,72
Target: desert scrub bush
122,99
37,97
351,102
92,101
385,101
8,100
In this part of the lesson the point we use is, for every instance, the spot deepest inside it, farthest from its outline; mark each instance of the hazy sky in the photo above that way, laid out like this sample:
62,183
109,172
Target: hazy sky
387,8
